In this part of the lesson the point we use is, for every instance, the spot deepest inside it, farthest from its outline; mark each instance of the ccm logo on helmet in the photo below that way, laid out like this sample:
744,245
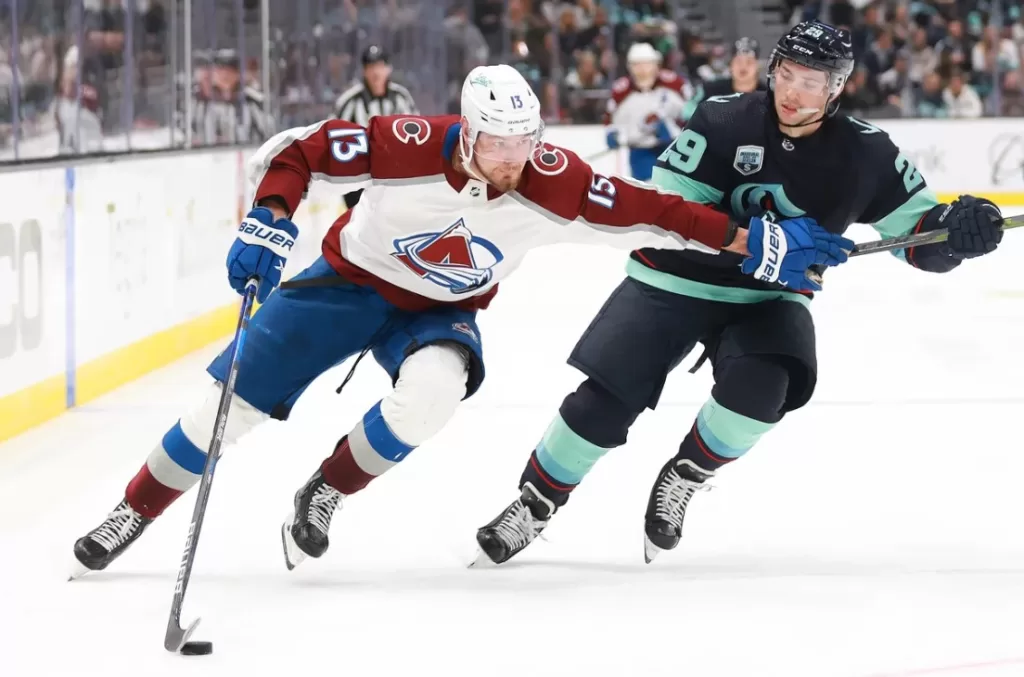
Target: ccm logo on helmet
411,129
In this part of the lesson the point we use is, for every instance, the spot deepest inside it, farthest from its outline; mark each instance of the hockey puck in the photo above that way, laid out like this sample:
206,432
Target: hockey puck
196,648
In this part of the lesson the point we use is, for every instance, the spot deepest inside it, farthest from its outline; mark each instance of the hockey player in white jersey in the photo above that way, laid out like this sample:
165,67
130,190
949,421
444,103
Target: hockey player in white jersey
646,109
451,207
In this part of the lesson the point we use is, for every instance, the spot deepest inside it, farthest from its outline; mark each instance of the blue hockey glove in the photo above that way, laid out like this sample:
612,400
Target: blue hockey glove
661,131
261,250
782,252
975,227
613,139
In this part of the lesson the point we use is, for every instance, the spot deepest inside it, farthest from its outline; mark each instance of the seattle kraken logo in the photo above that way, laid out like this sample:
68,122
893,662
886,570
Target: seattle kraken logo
767,197
453,258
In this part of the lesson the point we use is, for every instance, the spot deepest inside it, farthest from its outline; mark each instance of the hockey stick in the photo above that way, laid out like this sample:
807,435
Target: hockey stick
598,155
916,240
931,237
176,639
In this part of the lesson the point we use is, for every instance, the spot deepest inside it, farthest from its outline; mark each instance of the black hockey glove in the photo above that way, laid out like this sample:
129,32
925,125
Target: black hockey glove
975,227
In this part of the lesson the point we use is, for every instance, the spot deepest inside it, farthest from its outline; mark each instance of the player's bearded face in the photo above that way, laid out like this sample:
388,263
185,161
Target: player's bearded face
801,93
501,159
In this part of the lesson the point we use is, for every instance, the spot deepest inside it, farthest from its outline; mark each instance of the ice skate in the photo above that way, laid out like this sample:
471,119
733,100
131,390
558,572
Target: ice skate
514,529
105,543
304,533
663,523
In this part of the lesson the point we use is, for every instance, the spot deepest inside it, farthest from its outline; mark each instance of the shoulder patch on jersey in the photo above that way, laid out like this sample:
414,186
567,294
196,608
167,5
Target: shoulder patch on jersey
415,130
748,159
550,161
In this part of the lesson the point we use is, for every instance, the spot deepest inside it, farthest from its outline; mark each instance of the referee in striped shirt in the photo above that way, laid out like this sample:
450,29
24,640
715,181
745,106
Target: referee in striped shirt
375,95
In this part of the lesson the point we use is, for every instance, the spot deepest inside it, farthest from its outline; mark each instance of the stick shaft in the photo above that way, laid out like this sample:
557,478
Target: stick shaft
176,636
931,237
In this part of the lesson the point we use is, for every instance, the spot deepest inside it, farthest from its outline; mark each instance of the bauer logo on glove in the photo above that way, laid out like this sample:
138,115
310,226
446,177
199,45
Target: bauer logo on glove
783,252
265,236
261,251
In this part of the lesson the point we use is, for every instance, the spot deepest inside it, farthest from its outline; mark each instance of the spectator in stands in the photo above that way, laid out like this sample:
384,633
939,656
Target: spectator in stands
104,42
857,98
587,90
893,84
1015,14
489,17
717,66
923,59
77,110
866,31
567,32
901,29
954,49
1012,99
930,102
880,55
586,74
466,48
962,101
1006,54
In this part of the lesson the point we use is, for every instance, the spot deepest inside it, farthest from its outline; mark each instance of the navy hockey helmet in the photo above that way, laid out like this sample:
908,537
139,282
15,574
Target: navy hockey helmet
817,45
747,46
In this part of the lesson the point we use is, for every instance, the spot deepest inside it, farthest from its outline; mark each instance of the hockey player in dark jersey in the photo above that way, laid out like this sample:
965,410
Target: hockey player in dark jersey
744,76
786,152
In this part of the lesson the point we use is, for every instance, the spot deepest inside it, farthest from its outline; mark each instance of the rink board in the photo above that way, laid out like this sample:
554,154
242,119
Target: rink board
109,271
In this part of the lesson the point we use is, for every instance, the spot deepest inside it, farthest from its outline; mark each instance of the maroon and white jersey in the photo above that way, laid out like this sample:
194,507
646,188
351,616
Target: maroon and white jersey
633,111
424,234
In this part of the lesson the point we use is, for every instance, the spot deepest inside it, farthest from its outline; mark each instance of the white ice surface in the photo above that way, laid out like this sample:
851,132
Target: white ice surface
875,533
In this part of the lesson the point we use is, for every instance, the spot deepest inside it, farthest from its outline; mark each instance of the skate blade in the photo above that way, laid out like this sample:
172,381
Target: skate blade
78,570
293,556
650,550
482,561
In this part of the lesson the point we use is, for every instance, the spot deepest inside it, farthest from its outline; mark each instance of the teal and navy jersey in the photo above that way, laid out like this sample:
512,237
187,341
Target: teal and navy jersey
713,88
732,155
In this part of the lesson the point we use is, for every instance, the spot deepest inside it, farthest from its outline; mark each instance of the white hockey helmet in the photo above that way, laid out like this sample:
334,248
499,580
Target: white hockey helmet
498,100
642,52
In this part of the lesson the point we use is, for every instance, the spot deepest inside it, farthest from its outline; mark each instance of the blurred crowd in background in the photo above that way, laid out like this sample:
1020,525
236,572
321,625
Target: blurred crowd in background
87,76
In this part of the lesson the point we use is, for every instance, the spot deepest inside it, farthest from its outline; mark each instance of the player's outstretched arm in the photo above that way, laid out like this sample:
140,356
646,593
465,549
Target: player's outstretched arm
653,217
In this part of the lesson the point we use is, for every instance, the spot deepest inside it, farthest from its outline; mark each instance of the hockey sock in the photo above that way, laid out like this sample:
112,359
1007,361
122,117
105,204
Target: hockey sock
176,464
171,469
719,436
369,451
560,462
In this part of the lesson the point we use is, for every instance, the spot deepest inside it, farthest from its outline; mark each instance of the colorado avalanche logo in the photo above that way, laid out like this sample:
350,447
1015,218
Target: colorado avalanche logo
411,129
454,258
550,161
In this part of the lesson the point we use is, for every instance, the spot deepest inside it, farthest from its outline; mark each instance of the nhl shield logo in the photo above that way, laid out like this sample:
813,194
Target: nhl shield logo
748,159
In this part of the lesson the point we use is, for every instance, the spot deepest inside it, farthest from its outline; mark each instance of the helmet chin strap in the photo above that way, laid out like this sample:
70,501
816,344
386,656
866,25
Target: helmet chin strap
467,160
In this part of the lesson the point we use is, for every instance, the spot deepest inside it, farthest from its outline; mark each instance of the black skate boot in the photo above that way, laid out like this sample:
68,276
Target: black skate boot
515,528
105,543
304,533
663,523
